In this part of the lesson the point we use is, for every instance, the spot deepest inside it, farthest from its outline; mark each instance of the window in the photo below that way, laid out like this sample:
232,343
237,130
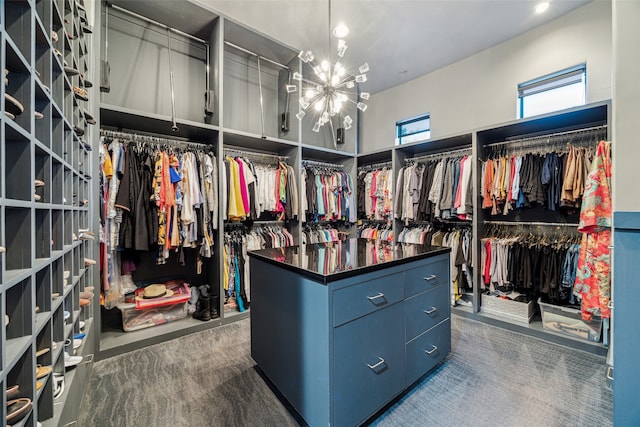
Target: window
414,129
557,91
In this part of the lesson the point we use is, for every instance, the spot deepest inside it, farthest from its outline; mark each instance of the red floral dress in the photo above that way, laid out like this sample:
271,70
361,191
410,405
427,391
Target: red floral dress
593,277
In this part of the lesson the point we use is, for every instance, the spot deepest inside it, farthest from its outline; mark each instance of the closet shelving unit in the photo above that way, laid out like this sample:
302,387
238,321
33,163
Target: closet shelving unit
37,225
239,120
591,115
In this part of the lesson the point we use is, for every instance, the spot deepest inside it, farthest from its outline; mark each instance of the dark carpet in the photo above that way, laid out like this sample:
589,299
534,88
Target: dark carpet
493,377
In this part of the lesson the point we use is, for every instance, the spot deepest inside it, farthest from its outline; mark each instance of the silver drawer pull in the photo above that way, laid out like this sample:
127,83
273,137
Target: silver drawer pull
433,310
433,276
430,352
377,365
380,295
610,373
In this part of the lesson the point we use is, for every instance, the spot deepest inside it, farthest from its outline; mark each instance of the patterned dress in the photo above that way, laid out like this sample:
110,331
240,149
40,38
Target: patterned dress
593,277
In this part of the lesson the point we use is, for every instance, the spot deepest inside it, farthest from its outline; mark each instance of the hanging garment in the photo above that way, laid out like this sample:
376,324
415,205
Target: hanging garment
593,278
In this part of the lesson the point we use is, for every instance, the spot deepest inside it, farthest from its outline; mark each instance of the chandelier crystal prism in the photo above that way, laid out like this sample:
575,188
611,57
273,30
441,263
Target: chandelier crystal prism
329,87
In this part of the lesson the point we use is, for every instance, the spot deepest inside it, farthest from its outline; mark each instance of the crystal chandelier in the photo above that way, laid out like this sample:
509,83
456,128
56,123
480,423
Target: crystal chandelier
329,87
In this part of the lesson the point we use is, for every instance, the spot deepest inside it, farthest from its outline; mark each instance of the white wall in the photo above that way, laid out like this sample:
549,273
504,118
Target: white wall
626,106
481,90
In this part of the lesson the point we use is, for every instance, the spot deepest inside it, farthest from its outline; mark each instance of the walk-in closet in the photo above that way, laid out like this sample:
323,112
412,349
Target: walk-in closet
233,181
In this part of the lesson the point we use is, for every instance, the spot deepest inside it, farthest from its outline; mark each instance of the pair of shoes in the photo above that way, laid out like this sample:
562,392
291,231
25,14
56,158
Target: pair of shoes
54,36
13,391
17,409
12,105
86,295
38,115
78,130
76,343
89,261
207,305
58,385
84,302
71,361
70,70
37,197
42,351
89,118
86,235
42,371
80,93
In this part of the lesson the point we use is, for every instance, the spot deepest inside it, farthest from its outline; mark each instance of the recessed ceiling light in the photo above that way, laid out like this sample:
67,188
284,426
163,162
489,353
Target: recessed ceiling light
341,31
541,7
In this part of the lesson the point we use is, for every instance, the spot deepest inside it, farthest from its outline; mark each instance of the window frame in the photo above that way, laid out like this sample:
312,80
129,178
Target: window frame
565,77
401,123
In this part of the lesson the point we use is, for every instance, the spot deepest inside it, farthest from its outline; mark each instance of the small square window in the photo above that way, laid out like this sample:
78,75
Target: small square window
414,129
553,92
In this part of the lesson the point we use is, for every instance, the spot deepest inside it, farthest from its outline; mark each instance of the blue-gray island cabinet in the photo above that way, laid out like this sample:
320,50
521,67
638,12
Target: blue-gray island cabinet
342,328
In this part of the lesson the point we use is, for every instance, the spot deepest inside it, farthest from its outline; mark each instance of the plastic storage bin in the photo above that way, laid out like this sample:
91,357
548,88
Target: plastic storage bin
133,319
568,321
515,311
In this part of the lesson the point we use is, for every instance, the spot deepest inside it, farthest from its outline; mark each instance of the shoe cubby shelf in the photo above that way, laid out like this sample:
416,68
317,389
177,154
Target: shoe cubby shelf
45,177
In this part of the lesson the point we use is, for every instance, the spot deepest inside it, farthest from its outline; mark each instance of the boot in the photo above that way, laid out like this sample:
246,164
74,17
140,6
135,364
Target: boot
203,309
214,306
193,300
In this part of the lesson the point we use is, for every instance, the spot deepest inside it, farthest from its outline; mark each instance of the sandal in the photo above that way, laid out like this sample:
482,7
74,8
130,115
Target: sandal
17,409
42,371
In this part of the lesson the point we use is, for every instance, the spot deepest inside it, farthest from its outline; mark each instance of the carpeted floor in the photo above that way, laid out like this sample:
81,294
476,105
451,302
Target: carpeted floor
492,378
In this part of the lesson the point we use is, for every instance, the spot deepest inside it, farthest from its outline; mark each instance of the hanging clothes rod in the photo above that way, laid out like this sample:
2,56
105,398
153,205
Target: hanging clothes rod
150,138
247,51
242,153
376,166
314,163
144,18
593,129
548,224
441,154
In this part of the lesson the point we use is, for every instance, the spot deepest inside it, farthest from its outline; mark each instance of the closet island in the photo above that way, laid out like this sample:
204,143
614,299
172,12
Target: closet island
342,328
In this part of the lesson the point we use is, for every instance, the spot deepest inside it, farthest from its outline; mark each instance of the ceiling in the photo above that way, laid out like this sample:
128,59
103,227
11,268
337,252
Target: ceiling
399,39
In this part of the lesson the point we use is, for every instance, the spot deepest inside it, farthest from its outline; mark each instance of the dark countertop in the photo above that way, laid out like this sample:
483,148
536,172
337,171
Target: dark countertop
328,262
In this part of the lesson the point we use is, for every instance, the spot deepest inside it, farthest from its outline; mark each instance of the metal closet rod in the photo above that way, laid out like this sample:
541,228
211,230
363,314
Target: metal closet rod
150,138
240,48
242,153
552,135
441,154
376,165
144,18
322,164
549,224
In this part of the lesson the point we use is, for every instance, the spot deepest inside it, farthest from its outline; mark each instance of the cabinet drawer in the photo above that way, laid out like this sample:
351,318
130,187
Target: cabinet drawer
427,350
364,298
426,277
369,365
425,310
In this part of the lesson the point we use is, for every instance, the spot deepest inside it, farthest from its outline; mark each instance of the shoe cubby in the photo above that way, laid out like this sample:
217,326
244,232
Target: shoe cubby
17,223
43,56
20,309
67,193
42,169
18,88
22,374
18,184
57,133
69,232
44,12
42,117
57,277
57,230
43,343
43,233
43,290
58,328
17,24
57,84
57,181
45,400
